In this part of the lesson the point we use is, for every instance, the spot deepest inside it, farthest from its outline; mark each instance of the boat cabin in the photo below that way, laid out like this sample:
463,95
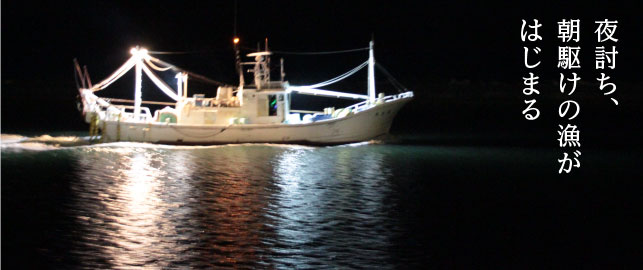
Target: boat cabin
241,106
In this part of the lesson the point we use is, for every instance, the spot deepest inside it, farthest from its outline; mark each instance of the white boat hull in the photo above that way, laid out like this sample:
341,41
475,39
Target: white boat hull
361,126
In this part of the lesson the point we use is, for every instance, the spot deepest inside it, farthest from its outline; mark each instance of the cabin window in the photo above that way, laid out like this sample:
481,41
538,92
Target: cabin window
272,105
198,100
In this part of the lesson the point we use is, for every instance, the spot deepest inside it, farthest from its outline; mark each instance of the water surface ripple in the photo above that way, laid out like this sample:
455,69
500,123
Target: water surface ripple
364,206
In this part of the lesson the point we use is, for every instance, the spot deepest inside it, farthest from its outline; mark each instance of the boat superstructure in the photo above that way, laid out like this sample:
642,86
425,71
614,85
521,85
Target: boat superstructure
256,112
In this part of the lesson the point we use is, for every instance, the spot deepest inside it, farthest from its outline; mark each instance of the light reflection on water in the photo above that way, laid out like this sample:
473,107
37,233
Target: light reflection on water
325,204
248,205
128,201
364,206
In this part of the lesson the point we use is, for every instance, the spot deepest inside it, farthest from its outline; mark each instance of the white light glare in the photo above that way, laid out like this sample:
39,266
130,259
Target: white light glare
140,52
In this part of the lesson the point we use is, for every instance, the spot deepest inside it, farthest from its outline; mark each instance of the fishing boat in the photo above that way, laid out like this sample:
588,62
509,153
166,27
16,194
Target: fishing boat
256,112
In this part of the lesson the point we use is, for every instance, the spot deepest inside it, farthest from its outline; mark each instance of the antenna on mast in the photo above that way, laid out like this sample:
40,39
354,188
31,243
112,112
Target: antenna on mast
234,27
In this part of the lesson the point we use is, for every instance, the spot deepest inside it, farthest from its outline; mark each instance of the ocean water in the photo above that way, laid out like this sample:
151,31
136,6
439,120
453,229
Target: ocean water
67,204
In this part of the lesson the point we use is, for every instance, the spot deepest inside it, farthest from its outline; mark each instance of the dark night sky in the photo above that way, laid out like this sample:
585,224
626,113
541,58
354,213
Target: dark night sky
463,60
428,46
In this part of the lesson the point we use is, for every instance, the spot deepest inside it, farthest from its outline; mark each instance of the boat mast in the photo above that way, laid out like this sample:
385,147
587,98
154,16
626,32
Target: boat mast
281,65
139,81
371,73
267,69
237,59
261,66
181,84
237,54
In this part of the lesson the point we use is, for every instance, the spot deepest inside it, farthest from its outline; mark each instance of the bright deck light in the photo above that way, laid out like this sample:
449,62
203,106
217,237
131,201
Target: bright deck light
137,51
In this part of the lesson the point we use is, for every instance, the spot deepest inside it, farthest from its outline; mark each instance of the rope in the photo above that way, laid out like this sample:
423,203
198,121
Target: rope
155,67
179,52
255,50
160,83
338,78
190,73
199,136
112,100
116,75
391,79
321,53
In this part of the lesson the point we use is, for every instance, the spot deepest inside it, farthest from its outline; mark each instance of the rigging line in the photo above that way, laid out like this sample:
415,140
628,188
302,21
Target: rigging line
321,53
395,84
117,74
180,52
160,83
336,79
312,53
204,51
155,67
199,136
392,79
190,73
255,50
104,84
204,79
398,87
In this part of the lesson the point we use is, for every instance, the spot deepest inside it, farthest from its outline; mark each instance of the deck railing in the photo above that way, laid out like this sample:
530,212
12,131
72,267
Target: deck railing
358,107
